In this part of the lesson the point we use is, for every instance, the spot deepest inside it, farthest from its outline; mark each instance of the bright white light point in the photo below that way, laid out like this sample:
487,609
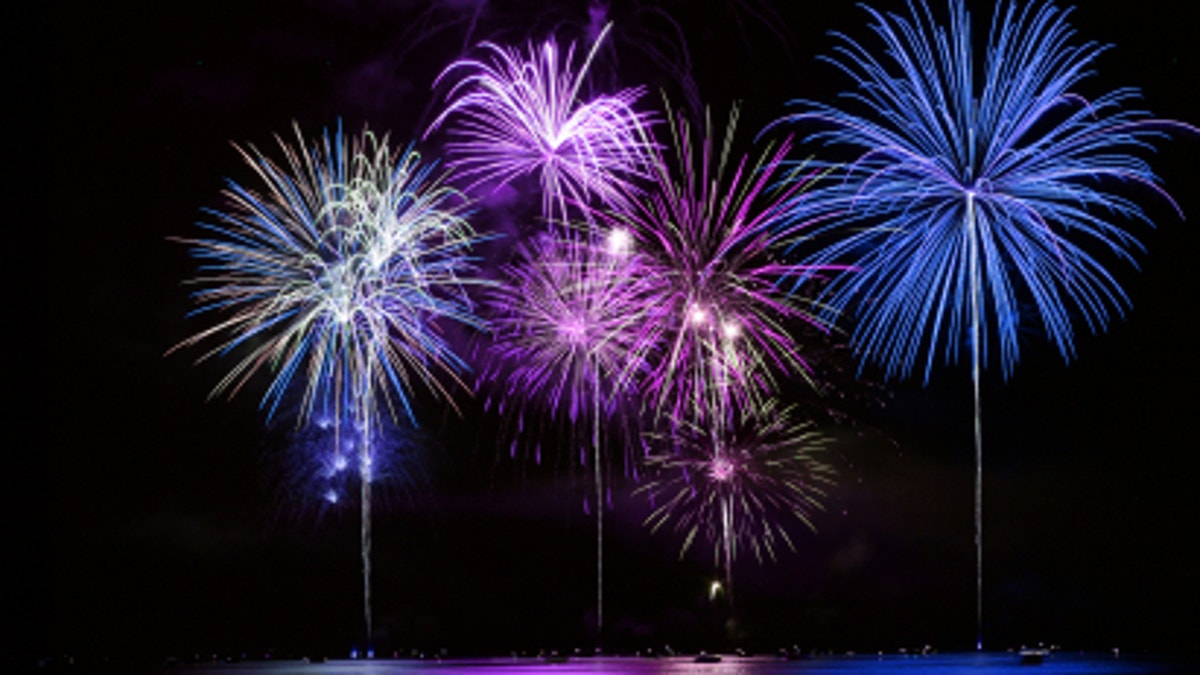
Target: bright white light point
721,469
331,496
573,330
620,242
339,463
731,330
697,315
713,589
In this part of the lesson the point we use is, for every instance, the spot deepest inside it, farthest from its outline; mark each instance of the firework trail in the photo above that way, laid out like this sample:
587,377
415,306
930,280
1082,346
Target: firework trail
742,487
333,275
568,346
511,114
969,188
706,228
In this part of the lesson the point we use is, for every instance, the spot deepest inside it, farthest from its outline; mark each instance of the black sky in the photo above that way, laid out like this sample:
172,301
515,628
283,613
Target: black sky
164,534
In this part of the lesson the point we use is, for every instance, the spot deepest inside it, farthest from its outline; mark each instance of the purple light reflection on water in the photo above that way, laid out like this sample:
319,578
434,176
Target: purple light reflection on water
985,663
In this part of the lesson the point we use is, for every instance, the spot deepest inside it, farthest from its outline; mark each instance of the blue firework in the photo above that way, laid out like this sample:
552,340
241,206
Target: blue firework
966,188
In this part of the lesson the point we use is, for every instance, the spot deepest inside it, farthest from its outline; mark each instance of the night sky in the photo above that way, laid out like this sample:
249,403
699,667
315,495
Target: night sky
154,522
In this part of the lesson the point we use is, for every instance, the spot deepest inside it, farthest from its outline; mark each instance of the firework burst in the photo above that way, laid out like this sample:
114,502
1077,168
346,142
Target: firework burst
335,272
970,189
740,485
319,468
520,113
567,320
568,345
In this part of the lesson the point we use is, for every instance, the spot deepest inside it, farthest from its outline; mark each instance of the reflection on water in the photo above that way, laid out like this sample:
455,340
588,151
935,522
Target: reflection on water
943,664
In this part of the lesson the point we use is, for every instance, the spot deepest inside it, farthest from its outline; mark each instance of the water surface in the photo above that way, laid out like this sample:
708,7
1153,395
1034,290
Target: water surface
1059,662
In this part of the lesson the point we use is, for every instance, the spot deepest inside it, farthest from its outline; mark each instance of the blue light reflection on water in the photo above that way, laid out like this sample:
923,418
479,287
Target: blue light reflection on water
942,664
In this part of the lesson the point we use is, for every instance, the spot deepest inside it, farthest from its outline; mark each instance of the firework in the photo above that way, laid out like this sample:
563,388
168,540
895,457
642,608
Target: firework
568,347
738,485
522,113
706,228
968,188
335,273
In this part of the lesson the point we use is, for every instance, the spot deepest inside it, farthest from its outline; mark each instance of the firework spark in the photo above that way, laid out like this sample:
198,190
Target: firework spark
970,189
318,469
522,113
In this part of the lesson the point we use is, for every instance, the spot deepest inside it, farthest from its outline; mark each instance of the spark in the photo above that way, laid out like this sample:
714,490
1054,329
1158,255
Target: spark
743,484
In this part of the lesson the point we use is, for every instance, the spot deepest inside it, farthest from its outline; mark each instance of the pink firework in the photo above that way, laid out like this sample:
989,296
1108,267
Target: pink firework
743,484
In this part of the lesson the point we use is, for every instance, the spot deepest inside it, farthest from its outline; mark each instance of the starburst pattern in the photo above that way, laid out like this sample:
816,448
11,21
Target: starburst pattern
336,272
738,486
973,187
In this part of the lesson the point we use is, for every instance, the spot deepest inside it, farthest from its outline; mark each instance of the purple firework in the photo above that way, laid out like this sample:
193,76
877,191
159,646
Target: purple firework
706,230
568,331
512,114
569,344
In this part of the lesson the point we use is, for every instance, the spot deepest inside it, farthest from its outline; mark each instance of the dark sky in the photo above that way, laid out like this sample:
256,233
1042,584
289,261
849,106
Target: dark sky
164,532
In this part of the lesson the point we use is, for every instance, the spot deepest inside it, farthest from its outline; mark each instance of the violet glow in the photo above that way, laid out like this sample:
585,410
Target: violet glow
320,465
568,342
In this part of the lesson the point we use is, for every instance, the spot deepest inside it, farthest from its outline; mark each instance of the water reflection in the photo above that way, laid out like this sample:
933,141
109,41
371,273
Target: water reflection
943,664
